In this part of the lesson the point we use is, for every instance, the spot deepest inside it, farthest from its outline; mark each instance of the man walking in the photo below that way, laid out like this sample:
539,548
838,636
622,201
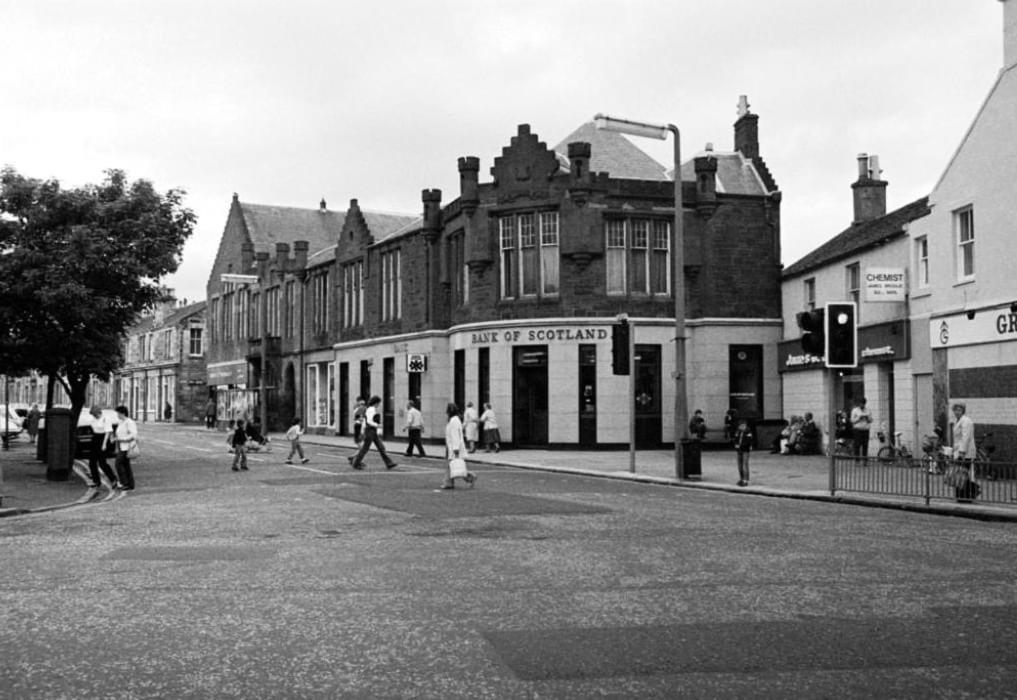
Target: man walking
414,427
372,422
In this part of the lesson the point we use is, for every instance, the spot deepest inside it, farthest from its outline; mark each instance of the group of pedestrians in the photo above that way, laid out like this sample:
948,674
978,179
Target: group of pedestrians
124,439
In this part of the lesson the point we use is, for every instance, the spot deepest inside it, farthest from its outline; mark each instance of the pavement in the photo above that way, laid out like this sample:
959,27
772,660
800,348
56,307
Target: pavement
25,489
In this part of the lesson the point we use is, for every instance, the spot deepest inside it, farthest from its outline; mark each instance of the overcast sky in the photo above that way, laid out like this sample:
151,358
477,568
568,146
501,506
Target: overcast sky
288,102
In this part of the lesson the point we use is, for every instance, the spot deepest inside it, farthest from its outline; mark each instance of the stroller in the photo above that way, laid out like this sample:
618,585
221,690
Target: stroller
935,454
256,442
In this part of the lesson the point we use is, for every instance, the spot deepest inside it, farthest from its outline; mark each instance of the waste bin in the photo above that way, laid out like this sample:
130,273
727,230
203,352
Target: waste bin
58,444
692,459
40,442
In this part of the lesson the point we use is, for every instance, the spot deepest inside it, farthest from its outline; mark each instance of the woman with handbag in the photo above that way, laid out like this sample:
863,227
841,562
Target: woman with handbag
126,438
455,448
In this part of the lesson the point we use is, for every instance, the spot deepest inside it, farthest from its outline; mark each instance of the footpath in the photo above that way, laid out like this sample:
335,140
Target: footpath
25,489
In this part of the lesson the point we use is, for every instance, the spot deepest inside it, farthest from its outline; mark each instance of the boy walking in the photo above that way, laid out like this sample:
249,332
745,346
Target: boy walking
743,446
296,429
414,427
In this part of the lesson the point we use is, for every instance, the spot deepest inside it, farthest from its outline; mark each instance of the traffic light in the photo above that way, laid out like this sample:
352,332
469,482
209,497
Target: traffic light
620,347
811,323
841,334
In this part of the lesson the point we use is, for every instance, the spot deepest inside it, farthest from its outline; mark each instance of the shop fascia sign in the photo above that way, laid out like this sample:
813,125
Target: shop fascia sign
971,328
804,360
885,284
550,334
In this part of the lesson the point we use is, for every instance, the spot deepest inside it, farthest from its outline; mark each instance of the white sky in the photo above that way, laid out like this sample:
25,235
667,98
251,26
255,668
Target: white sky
288,102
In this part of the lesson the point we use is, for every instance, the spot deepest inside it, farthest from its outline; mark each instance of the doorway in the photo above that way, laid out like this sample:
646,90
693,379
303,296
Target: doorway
529,395
647,397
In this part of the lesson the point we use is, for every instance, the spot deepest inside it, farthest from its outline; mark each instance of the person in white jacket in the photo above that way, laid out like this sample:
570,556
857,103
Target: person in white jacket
126,437
455,448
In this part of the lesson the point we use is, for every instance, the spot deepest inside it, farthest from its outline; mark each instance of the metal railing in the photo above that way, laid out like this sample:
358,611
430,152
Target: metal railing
996,482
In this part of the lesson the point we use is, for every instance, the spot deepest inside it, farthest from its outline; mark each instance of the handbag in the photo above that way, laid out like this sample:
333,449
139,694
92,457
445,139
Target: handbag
457,468
133,452
957,476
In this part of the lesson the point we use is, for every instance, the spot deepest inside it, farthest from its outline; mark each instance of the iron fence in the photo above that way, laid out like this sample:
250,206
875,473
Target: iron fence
995,482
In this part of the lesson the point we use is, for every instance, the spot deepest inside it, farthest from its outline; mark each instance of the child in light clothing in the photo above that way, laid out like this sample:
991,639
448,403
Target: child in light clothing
296,429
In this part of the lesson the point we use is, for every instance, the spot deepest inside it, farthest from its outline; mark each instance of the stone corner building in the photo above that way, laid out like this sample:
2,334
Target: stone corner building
507,293
163,376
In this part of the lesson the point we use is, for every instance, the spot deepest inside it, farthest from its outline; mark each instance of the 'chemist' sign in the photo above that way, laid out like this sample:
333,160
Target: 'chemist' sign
883,284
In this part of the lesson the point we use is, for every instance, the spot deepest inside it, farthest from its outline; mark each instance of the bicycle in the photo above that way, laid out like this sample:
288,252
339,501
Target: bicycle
983,456
935,455
894,450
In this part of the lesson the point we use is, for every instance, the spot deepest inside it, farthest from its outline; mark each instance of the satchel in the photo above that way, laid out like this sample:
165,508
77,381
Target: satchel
457,468
957,476
133,452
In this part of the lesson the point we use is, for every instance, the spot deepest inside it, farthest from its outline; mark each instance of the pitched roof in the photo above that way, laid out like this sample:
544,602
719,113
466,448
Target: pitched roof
182,312
268,225
736,174
386,225
859,237
611,152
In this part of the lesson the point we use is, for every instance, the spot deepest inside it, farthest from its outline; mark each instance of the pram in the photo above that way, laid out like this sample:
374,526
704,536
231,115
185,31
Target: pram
935,454
256,442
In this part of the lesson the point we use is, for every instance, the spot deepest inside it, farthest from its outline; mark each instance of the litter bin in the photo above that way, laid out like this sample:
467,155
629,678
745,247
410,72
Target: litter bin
58,444
40,442
692,459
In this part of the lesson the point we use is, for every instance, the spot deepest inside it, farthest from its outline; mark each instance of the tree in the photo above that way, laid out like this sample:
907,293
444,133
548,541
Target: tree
77,268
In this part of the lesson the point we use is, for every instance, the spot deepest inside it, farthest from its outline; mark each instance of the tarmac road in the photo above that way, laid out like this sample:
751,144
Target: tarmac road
315,581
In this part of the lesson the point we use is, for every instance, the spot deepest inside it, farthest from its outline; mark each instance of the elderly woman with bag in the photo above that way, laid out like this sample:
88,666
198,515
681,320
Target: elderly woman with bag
455,448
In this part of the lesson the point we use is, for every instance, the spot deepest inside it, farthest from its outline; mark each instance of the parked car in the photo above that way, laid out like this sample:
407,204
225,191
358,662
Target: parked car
10,423
83,449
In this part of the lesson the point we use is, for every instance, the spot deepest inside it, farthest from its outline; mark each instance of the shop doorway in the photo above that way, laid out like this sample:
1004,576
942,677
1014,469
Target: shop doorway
745,372
587,395
388,396
647,398
529,395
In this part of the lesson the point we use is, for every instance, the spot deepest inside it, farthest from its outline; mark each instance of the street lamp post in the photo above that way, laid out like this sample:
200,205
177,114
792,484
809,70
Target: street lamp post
659,131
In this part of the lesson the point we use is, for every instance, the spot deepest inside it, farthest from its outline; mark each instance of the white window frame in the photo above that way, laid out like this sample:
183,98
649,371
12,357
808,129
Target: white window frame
853,282
195,340
391,286
651,236
922,262
526,230
809,290
964,237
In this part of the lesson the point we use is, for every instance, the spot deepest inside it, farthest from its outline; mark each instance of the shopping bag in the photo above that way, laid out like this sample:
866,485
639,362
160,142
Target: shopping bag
957,476
133,452
457,467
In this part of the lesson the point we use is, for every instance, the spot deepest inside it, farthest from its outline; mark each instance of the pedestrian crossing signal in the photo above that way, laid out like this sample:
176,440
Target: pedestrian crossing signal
416,362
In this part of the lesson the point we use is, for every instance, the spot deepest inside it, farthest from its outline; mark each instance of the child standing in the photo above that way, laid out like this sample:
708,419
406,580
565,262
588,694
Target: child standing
238,444
293,435
743,445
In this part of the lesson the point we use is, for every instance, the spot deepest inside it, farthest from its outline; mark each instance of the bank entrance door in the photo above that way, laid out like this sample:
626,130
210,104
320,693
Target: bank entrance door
529,395
647,397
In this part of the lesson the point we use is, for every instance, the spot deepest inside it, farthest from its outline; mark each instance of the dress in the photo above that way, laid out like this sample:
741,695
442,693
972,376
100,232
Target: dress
455,445
471,424
491,434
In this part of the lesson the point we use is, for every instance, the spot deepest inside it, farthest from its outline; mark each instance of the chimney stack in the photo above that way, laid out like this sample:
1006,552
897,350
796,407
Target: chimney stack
746,136
869,190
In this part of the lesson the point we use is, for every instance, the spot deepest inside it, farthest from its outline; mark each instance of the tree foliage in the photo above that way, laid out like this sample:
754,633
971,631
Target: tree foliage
77,267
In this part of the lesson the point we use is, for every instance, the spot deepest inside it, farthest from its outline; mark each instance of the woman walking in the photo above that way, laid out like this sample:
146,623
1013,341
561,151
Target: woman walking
454,449
101,430
491,435
470,424
293,435
126,437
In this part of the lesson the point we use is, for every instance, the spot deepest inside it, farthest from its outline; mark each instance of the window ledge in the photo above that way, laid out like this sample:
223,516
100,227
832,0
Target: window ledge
963,282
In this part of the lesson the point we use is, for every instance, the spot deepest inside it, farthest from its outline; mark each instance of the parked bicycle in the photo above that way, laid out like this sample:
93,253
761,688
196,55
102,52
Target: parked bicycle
894,450
983,458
